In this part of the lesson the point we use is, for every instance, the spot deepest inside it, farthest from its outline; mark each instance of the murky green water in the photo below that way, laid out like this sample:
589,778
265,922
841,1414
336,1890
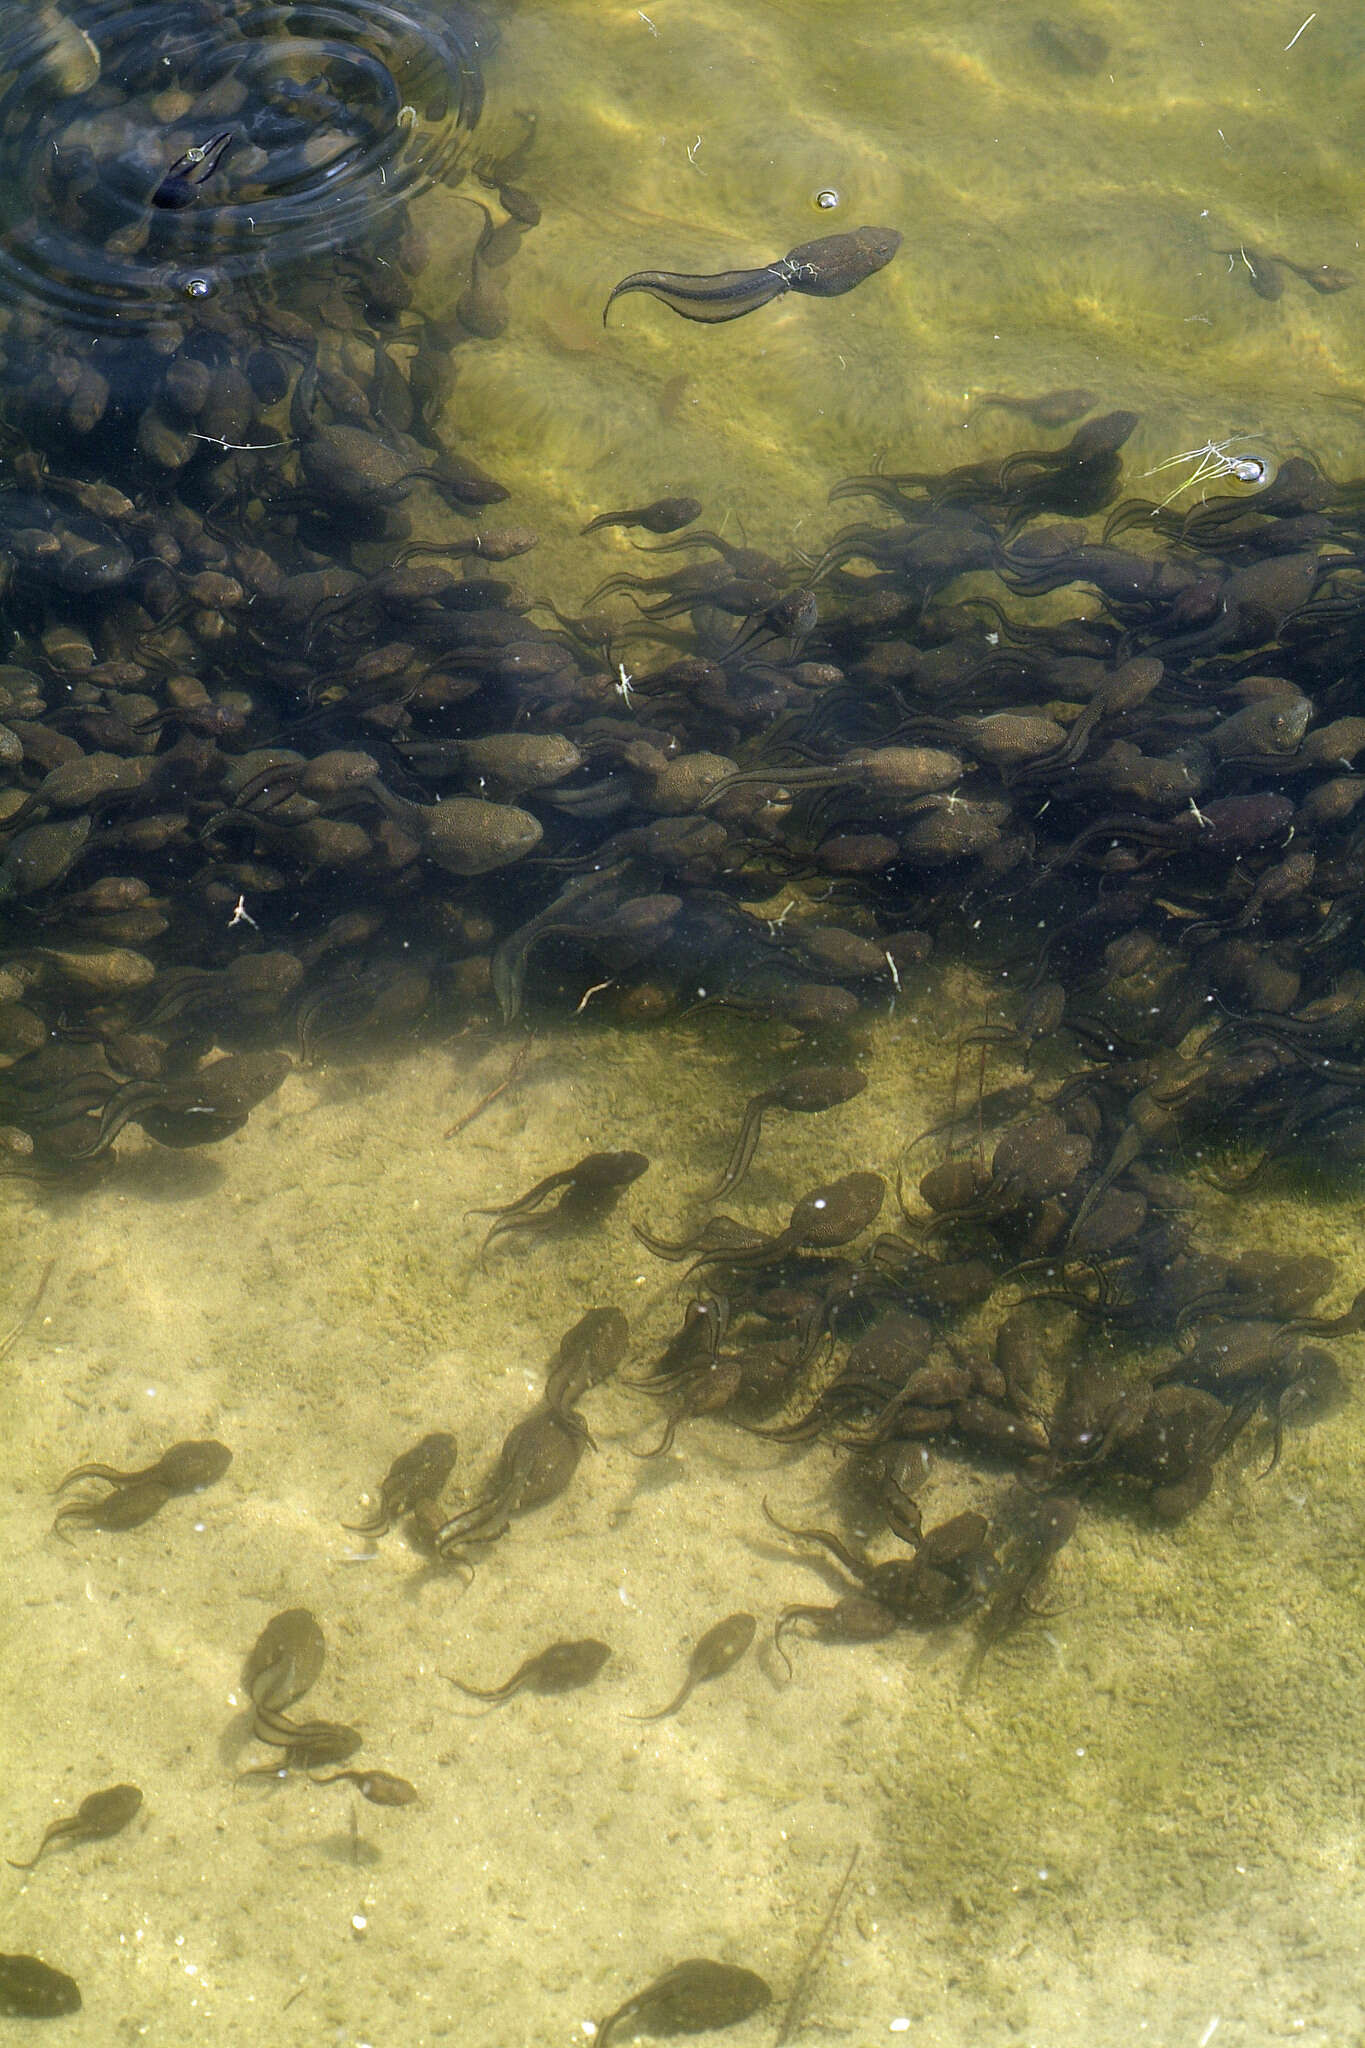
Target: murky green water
1139,1821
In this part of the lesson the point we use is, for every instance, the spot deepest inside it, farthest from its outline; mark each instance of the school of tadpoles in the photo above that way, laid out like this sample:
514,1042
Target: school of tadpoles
271,774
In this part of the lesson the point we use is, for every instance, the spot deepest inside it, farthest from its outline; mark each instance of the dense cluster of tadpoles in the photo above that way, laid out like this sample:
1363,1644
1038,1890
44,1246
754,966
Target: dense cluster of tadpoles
269,769
272,770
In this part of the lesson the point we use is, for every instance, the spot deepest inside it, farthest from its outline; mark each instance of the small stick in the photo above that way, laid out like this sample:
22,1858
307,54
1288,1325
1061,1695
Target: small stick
13,1335
796,2004
595,990
462,1123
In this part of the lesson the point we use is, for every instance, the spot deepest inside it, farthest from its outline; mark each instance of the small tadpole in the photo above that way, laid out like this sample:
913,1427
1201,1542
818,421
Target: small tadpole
181,185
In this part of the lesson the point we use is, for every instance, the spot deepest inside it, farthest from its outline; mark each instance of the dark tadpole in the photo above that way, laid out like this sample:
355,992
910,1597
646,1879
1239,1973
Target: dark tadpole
807,1089
285,1659
539,1457
692,1998
33,1990
665,515
590,1188
381,1788
1324,278
1262,271
184,1468
98,1816
1048,409
137,1496
415,1477
303,1745
127,1507
562,1667
721,1647
822,269
184,180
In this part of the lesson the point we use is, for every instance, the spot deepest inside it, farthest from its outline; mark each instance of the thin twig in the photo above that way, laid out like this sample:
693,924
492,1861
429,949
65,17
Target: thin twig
12,1336
462,1123
796,2004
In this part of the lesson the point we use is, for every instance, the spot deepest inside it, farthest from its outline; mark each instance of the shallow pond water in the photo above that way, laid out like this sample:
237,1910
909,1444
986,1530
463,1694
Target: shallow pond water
1137,1819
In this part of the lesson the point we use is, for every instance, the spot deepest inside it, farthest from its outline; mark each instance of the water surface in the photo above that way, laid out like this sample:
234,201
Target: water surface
1139,1823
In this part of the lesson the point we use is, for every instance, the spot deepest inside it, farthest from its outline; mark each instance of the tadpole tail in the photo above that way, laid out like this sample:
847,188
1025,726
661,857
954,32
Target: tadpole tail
741,1157
726,296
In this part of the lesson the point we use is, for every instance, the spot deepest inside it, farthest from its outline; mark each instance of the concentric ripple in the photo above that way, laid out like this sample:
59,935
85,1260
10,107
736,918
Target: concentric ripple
334,112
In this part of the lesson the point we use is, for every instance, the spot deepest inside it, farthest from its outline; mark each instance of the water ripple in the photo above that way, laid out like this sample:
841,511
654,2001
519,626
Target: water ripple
335,113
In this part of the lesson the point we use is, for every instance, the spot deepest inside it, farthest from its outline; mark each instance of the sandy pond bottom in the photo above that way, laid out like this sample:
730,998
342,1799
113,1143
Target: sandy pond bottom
1140,1825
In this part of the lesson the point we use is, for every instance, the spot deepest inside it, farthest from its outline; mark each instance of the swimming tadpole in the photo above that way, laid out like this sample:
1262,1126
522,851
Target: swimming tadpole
823,269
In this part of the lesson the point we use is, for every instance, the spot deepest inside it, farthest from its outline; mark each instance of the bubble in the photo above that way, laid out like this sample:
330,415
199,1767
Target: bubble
826,198
1254,463
197,288
1257,470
